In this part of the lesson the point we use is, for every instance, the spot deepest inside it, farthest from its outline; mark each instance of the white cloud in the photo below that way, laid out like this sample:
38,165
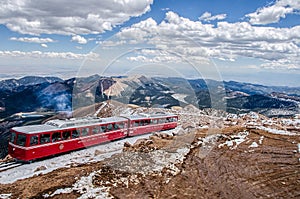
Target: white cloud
109,43
183,38
68,18
273,13
281,64
52,55
44,45
208,17
79,39
165,9
155,56
32,39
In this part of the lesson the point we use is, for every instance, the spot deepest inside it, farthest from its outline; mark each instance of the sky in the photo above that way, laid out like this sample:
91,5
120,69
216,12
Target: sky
253,41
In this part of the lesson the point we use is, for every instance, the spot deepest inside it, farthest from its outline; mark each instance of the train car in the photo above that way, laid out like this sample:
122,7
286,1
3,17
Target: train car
59,136
28,143
143,123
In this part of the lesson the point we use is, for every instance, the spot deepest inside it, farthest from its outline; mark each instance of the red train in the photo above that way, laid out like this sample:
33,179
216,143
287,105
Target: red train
33,142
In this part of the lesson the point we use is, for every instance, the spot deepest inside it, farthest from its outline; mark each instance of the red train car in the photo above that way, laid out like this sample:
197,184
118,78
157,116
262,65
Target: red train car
33,142
141,124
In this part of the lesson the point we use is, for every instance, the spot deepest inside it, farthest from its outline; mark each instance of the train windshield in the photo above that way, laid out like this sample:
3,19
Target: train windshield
21,140
13,137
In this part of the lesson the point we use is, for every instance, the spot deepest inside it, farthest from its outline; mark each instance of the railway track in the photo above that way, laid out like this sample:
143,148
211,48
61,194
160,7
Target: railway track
9,165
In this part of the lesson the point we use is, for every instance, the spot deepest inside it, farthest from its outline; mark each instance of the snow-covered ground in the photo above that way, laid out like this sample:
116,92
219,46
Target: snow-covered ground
276,131
85,187
5,196
236,140
180,97
92,154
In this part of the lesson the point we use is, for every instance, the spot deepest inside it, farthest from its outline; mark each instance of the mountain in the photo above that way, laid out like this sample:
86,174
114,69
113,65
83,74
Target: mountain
51,93
235,97
12,84
260,89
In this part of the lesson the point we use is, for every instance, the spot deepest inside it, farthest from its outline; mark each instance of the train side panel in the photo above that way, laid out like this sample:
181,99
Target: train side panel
52,148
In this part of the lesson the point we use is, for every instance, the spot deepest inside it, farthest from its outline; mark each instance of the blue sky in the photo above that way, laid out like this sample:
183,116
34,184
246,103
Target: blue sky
252,41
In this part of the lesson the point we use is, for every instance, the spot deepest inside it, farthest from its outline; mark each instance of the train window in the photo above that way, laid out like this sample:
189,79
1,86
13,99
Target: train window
160,121
169,119
95,130
85,132
136,123
66,135
75,133
173,119
45,138
110,127
147,122
13,137
116,126
154,121
102,129
121,125
56,136
34,140
21,140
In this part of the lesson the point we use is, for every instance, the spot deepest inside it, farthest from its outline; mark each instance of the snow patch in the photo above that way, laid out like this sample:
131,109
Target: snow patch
58,192
209,139
85,187
206,144
298,147
261,139
5,196
235,140
291,122
253,145
180,97
254,115
276,131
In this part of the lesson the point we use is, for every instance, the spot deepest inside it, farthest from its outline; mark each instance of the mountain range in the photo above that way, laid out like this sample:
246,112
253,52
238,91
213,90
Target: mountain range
54,94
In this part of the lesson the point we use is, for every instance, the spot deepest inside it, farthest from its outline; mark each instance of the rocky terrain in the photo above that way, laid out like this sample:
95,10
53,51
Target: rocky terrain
211,154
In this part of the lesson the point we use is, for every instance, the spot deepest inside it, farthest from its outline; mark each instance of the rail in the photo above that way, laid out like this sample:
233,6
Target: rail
9,165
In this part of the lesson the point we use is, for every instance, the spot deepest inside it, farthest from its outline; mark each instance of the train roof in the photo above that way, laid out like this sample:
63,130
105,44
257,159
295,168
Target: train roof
149,116
54,125
34,128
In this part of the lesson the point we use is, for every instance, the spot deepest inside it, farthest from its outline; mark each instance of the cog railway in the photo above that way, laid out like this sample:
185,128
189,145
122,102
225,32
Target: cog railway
29,143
